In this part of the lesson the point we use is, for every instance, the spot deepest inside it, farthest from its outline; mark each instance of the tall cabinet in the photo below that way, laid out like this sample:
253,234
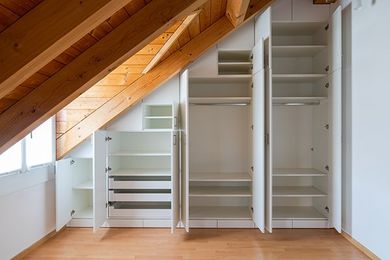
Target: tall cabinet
301,78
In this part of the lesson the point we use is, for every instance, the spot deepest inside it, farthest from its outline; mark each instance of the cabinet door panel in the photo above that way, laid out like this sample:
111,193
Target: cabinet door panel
63,192
175,204
335,41
258,150
257,57
99,179
184,156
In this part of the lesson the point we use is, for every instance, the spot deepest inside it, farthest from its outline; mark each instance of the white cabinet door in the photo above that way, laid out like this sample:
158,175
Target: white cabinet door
257,57
184,153
258,150
64,170
305,10
175,204
99,179
263,26
335,118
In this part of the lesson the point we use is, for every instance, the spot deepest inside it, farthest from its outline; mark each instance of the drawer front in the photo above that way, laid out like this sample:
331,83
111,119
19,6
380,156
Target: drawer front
235,224
139,196
320,223
194,223
282,223
140,213
113,184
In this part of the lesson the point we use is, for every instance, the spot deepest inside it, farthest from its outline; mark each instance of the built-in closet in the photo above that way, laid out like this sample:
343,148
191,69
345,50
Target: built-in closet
254,141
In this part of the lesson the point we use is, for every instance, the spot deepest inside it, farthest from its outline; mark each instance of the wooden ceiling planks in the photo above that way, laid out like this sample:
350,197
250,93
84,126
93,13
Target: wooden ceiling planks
132,94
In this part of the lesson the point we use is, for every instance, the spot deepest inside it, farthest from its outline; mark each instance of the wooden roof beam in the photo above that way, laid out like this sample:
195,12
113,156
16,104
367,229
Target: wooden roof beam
236,10
44,33
90,67
170,41
147,83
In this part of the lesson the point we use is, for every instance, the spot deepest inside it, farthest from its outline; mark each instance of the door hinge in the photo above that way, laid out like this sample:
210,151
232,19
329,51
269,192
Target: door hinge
106,205
252,169
252,127
252,209
72,212
327,68
108,169
108,138
327,209
174,139
267,139
326,27
72,162
327,167
326,126
327,85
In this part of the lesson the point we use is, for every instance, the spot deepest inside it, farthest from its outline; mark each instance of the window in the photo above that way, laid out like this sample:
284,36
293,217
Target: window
39,145
11,160
35,149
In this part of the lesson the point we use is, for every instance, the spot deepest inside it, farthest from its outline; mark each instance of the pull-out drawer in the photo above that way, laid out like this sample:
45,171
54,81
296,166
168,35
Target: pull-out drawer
140,210
148,183
140,195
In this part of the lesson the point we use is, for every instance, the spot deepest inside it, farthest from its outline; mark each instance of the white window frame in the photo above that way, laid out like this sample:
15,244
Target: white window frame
24,169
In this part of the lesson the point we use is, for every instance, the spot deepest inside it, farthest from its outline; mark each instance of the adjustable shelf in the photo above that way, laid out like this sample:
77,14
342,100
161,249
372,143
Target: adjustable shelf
220,212
219,191
234,63
140,172
297,191
297,172
297,78
297,51
298,212
230,176
86,185
296,28
297,101
140,154
220,100
158,117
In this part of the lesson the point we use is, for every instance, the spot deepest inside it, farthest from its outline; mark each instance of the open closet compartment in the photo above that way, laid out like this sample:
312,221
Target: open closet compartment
237,63
305,132
220,177
159,117
74,199
142,179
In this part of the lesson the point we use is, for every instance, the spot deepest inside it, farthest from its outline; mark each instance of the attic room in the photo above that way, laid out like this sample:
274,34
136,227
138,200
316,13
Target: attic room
194,129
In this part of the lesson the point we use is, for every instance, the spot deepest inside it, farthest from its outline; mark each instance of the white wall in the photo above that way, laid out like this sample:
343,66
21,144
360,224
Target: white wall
371,125
27,203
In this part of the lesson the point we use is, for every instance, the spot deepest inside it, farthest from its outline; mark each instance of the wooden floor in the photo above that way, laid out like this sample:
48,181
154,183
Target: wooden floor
81,243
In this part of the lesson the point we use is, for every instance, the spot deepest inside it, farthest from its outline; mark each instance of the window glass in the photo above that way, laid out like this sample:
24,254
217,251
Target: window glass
11,160
39,145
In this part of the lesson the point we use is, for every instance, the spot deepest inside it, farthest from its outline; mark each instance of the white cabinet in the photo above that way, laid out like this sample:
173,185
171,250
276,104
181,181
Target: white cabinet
303,121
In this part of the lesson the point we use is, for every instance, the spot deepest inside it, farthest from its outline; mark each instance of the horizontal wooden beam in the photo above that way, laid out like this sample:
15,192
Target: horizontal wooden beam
170,41
91,66
236,10
44,33
146,84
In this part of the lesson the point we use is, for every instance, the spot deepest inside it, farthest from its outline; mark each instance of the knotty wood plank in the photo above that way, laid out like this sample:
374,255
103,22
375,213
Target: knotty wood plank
90,66
150,81
45,32
236,10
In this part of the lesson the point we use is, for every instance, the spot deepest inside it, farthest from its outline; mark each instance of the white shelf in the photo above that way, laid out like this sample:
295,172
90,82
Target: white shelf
297,51
295,28
297,101
225,176
87,185
289,78
220,213
146,154
296,213
292,172
235,63
297,191
84,213
219,100
141,172
158,117
215,191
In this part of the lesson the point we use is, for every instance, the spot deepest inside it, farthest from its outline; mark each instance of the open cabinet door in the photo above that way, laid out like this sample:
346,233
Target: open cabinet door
184,151
335,117
63,192
99,179
258,149
175,204
262,177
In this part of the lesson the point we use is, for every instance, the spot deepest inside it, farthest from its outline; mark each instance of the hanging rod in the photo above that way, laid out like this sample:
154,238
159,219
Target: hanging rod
316,103
219,104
